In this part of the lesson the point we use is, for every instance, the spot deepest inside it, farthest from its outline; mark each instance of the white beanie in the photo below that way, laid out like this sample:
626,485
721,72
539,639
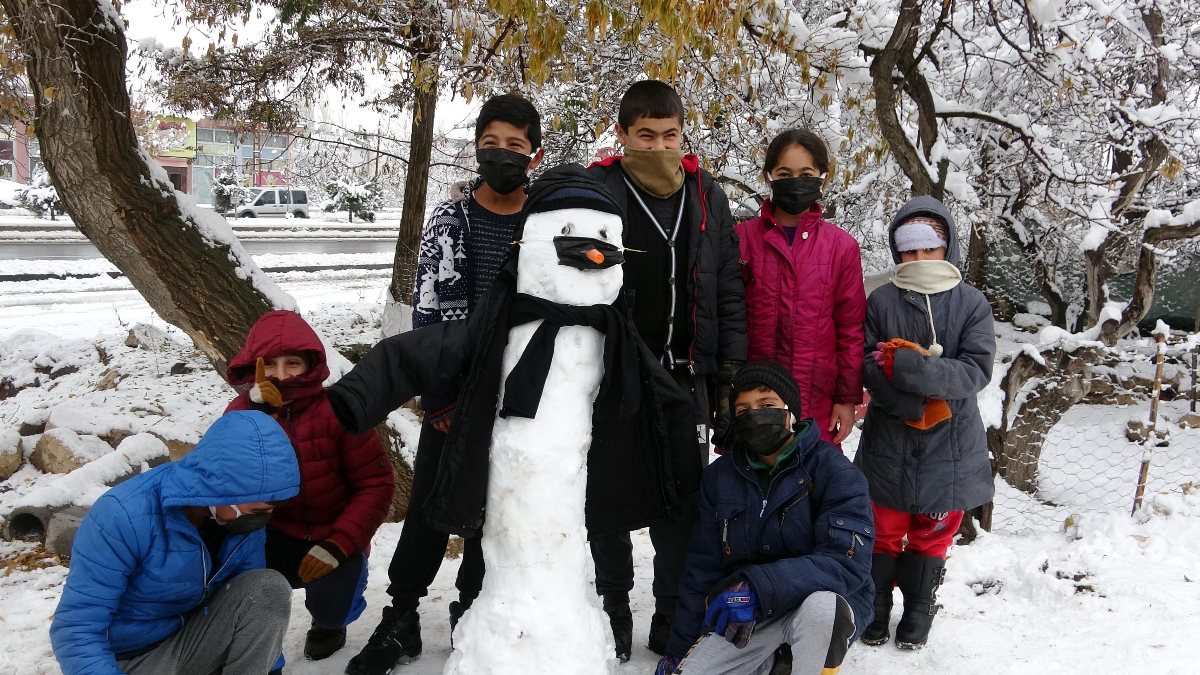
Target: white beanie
919,232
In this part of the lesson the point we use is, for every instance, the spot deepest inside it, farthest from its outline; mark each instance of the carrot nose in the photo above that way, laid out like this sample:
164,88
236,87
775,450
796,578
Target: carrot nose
595,256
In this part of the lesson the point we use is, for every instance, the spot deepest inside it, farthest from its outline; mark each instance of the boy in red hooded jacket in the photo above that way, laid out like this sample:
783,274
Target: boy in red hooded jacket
318,540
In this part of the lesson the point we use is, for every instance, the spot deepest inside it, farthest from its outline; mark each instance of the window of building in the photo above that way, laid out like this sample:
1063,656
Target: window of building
204,135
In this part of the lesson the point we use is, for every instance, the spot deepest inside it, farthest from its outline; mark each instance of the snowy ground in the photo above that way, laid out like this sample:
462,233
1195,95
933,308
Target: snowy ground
1113,594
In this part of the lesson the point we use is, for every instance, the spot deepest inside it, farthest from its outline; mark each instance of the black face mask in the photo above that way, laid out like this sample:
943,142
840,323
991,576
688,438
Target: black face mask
245,523
795,195
502,169
762,431
574,252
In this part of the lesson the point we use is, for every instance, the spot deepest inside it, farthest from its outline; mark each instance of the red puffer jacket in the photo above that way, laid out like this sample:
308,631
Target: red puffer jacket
345,479
805,306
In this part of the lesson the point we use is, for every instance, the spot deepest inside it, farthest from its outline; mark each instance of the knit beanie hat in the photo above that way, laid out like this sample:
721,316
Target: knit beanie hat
569,186
771,375
920,232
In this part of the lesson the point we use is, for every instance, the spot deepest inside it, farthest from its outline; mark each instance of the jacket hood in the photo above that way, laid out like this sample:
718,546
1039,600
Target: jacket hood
275,333
244,457
926,206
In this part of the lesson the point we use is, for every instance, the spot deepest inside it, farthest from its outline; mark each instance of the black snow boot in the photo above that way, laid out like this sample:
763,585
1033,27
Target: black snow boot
396,640
918,577
321,643
883,572
620,618
457,609
783,661
660,632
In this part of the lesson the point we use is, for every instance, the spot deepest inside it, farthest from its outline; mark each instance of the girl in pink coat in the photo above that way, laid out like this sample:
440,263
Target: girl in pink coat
805,301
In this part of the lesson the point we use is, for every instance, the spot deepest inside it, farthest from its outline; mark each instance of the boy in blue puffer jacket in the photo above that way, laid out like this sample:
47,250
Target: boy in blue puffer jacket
167,568
781,553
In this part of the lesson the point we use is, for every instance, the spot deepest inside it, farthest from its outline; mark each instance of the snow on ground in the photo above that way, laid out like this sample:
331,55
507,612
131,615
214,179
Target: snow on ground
1111,593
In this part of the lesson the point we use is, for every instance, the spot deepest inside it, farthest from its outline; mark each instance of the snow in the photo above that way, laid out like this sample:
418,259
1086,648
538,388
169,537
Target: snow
1109,593
83,486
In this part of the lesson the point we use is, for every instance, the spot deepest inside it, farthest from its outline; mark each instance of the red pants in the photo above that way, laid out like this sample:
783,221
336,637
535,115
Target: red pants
926,535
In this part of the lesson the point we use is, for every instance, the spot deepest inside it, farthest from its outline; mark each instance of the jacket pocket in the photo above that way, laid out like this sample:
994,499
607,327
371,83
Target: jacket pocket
851,535
732,521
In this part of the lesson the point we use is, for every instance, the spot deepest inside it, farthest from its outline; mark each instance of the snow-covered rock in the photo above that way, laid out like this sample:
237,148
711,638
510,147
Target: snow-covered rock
10,453
61,450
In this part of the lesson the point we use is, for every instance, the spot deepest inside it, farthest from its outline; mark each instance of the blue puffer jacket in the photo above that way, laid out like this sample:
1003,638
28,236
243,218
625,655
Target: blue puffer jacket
812,531
138,565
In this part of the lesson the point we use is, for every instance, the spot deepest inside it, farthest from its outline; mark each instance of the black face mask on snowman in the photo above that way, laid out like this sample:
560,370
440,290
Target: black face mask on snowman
762,431
586,253
502,169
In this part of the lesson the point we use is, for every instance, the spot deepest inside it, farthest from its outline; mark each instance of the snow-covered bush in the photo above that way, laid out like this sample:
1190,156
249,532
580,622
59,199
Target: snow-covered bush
358,199
41,197
228,192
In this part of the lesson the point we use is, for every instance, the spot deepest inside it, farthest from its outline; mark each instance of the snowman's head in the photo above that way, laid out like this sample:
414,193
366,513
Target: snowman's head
571,251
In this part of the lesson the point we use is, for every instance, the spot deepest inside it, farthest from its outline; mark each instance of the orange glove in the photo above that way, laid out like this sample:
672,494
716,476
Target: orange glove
264,392
320,560
936,410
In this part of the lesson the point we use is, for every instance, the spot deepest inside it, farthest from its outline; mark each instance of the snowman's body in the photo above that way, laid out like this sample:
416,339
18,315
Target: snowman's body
538,611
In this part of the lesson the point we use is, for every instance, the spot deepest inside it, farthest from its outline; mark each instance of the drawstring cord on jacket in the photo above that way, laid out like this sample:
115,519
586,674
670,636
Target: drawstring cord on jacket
935,349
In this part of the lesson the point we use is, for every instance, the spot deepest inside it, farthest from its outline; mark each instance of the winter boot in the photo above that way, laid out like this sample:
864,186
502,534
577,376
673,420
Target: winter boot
321,643
783,661
457,609
883,571
918,577
660,632
620,618
396,640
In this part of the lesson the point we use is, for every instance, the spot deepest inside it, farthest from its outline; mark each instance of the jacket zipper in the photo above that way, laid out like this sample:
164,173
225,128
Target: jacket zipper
204,567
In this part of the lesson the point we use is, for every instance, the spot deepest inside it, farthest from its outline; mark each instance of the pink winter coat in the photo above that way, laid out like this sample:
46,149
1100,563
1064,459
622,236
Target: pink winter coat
805,305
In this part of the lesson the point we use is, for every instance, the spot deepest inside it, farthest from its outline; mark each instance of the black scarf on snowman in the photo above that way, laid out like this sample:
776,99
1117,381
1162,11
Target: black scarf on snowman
642,460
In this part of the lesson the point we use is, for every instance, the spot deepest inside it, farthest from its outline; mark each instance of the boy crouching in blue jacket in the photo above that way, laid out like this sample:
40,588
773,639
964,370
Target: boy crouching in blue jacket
167,568
781,553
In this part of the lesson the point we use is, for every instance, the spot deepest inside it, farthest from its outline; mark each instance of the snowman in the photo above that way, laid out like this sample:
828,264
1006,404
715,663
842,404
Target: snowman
537,596
565,424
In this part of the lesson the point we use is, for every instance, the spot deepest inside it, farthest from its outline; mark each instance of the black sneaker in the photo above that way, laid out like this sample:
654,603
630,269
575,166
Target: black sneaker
620,618
321,643
396,641
660,632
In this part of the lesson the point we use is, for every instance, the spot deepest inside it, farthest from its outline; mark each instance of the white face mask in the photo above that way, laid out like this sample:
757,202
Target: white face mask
926,276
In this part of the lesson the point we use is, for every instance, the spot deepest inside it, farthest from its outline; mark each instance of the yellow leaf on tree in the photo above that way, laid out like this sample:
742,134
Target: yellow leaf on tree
49,93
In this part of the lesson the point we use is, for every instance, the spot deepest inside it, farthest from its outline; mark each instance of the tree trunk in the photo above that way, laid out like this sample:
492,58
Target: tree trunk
75,55
1064,381
416,182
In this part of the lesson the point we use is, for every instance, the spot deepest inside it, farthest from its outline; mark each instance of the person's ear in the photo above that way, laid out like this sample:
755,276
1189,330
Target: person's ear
828,176
621,134
537,159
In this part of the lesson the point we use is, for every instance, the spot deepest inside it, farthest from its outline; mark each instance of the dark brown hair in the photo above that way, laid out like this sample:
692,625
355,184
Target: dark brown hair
802,137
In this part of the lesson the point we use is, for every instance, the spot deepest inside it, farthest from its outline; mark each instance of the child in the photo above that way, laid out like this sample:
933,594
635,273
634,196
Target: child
684,292
779,553
319,540
155,549
930,348
804,288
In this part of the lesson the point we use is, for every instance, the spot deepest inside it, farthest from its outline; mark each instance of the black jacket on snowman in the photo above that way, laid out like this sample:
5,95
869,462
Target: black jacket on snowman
641,462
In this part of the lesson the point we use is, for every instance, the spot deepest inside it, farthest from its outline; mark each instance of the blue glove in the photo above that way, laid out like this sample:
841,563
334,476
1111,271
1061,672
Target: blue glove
731,614
667,665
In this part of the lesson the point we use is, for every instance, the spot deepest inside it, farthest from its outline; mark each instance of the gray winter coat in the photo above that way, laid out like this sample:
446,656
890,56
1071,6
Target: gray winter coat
945,468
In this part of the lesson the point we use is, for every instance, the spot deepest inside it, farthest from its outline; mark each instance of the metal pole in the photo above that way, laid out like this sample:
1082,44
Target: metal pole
1160,338
1195,351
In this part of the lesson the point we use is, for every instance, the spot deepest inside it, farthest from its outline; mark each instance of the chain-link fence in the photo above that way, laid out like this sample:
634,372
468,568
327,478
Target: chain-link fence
1091,457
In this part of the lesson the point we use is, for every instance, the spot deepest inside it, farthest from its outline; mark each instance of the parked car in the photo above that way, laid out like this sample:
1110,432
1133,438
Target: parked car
274,201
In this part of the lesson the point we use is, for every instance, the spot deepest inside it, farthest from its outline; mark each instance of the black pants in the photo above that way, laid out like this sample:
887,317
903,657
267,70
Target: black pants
335,599
612,553
421,548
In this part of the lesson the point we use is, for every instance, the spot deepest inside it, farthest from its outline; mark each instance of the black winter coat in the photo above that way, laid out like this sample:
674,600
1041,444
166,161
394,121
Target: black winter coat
640,467
717,298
